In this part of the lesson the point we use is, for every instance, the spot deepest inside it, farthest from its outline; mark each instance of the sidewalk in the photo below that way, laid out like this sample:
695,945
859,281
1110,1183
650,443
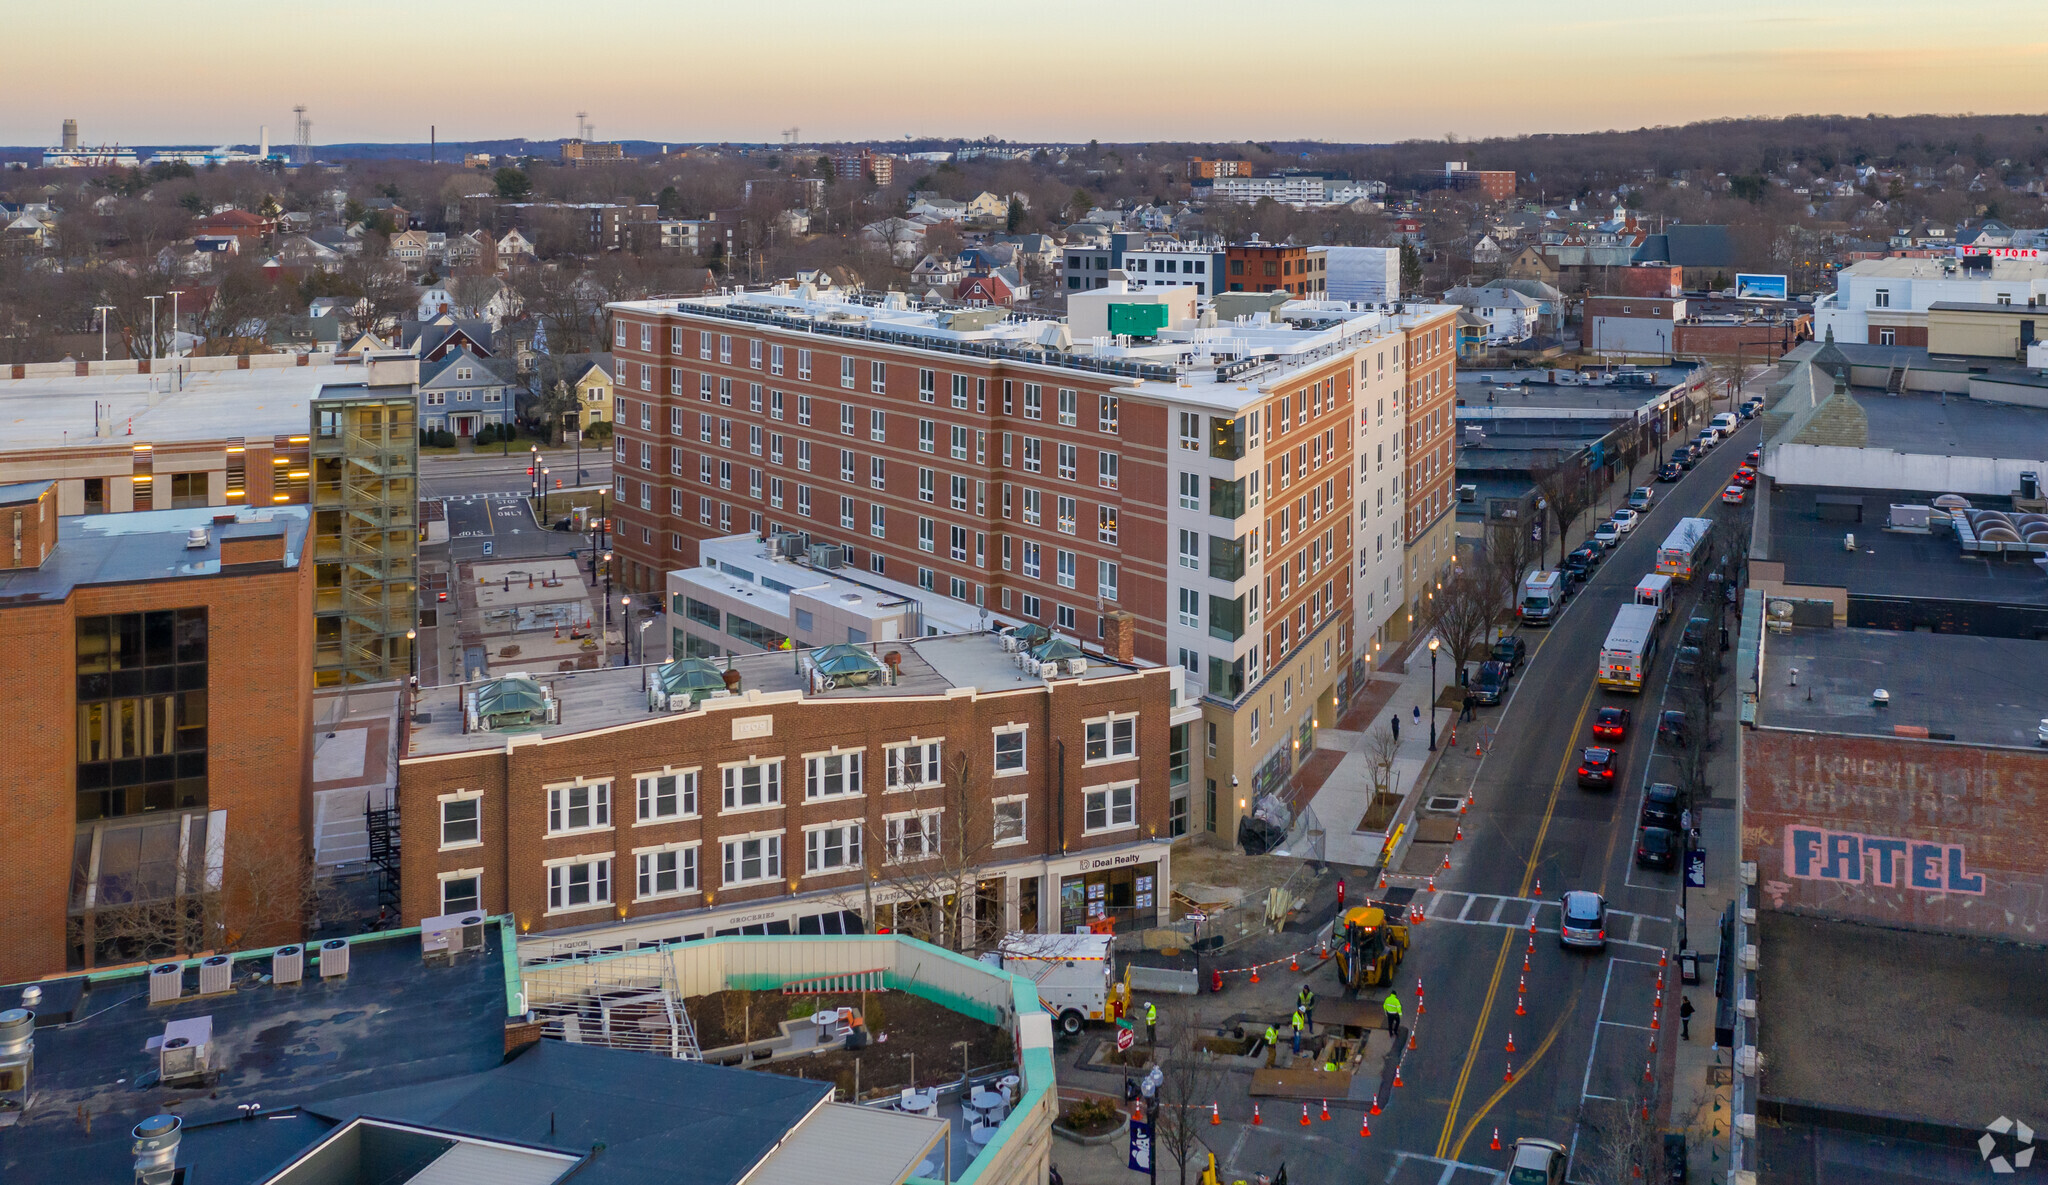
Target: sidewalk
1341,802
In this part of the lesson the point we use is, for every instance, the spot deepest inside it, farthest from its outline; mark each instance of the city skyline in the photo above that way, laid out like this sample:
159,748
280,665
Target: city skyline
884,72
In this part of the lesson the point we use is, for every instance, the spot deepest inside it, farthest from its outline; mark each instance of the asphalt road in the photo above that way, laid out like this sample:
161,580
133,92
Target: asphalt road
1583,1041
491,473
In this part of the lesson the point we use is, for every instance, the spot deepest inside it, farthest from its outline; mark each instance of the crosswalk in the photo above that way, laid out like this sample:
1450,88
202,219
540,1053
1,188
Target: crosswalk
1515,913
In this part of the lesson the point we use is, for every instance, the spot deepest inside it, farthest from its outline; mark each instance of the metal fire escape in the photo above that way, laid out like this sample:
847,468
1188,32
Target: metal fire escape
382,824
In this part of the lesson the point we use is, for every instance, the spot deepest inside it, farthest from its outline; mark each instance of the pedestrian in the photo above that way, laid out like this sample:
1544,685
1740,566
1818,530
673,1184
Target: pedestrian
1151,1024
1685,820
1306,1001
1394,722
1467,713
1392,1005
1418,713
1685,1018
1299,1024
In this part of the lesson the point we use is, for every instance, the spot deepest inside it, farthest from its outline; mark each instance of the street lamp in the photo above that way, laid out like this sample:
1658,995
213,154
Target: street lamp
152,331
174,294
533,466
625,642
543,495
412,655
103,310
1432,692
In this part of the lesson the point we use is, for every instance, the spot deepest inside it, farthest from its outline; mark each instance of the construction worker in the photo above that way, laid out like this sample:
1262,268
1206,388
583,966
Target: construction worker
1272,1040
1151,1024
1392,1005
1306,1001
1299,1024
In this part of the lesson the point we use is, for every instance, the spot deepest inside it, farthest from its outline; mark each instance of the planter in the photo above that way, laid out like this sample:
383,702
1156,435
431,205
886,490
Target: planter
1111,1136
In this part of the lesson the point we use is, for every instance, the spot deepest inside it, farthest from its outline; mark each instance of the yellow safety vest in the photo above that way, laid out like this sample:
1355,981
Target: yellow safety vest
1393,1004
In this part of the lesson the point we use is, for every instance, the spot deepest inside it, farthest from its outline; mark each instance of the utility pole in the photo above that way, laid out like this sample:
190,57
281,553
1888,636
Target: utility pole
174,294
103,310
152,332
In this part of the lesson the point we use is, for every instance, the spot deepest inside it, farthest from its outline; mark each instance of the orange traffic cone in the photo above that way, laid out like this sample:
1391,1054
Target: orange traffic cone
1476,751
1646,1071
1510,1075
1539,893
1383,881
1326,1111
1525,962
1663,958
1460,835
1365,1127
1432,884
1447,862
1215,1115
1375,1108
1519,1010
1304,1115
1511,1041
1293,962
1256,1121
1255,975
1411,1036
1646,1106
1653,1021
1660,982
1496,1139
1397,1075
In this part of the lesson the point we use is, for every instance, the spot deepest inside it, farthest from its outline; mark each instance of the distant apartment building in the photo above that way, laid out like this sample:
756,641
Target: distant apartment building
1431,349
601,226
1886,302
864,165
1208,170
806,193
1291,188
160,665
1497,184
578,154
1147,261
1368,275
1202,482
1301,272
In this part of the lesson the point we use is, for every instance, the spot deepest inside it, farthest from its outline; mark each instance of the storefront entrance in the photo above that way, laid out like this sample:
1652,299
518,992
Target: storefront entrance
1124,896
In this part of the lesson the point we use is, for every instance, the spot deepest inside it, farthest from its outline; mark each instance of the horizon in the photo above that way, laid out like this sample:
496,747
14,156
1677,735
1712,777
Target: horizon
1669,66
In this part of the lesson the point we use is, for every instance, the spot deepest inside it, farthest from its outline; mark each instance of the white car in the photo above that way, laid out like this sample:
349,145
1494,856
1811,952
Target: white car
1625,519
1607,534
1537,1162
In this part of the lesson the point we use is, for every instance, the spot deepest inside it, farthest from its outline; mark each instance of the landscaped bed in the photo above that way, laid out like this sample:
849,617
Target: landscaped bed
904,1030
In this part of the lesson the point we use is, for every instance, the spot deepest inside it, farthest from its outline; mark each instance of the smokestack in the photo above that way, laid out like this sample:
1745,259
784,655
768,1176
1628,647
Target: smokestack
263,141
70,135
433,143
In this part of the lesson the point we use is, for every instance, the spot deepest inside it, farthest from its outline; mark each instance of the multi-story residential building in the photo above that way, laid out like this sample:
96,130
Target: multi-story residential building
1301,190
1431,347
930,785
1147,261
581,154
955,454
1200,169
864,165
605,226
1498,184
160,664
1275,267
1884,302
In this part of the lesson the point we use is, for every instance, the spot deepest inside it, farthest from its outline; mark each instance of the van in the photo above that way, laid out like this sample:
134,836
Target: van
1726,422
1655,589
1542,597
1074,975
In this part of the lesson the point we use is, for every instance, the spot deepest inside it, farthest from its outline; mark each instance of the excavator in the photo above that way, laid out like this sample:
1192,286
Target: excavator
1369,947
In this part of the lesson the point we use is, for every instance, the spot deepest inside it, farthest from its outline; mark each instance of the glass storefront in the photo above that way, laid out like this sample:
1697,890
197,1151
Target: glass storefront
1122,896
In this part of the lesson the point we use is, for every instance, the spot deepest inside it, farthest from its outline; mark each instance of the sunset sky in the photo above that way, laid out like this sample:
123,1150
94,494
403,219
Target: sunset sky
688,71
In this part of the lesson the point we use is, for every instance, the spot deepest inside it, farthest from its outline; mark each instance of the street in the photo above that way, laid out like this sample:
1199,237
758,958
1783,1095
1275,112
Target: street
1583,1037
490,472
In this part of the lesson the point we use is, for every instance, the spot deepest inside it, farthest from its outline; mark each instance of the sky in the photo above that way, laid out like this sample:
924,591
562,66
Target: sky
687,71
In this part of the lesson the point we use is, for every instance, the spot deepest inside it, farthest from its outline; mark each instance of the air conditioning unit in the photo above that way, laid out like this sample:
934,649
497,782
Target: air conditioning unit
1746,1125
1749,958
1009,643
288,964
451,934
826,555
186,1054
166,982
333,958
216,975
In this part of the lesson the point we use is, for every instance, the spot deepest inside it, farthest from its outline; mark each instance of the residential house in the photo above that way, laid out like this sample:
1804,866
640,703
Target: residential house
1705,252
433,300
462,392
304,253
28,233
934,271
410,248
401,218
240,223
514,248
434,338
589,377
1510,316
983,290
477,249
902,238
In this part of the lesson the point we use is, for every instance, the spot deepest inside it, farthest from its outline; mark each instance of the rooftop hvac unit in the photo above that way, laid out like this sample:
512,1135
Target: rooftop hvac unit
825,555
333,958
186,1054
216,975
451,934
166,982
156,1149
288,964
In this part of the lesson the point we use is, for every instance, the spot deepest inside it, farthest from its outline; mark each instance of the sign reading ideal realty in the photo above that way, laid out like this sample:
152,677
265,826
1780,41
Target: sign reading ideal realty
1848,857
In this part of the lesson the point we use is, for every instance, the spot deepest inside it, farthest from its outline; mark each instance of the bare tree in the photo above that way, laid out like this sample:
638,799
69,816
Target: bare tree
258,894
1190,1083
1382,746
1627,1144
931,871
1511,550
1461,612
1563,486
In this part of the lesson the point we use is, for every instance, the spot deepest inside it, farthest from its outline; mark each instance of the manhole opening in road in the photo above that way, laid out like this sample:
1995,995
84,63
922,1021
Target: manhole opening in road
1442,802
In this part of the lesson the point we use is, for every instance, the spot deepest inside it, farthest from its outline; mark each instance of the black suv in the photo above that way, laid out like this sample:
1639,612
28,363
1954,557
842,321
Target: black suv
1596,769
1658,848
1671,471
1490,683
1511,652
1696,631
1663,806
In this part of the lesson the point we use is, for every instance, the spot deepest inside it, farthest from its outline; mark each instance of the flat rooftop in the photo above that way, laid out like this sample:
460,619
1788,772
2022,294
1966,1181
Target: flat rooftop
253,404
611,696
393,1020
1931,1028
1888,563
146,545
1949,268
1530,390
1977,690
1953,426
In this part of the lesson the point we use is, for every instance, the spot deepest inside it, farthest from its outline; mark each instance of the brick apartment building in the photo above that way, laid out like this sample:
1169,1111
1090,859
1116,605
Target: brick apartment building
599,226
863,166
1203,169
948,456
1432,428
1275,267
132,779
1497,184
791,804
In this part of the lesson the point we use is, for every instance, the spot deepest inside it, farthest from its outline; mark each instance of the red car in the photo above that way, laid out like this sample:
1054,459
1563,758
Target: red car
1611,724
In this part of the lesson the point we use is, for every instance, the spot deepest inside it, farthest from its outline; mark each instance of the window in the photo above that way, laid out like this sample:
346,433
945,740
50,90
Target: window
1010,749
959,444
1031,557
1070,511
752,859
753,785
927,537
1190,491
1070,407
958,549
1064,616
754,354
1887,337
1106,413
846,512
927,386
878,426
1105,470
579,807
832,848
1031,507
1105,579
1034,401
461,821
1226,497
877,523
927,485
1110,808
1191,431
666,872
927,436
1065,562
832,775
803,364
1190,608
1111,739
704,345
666,795
1033,455
1190,550
912,837
775,364
1070,462
878,378
580,884
1009,819
461,892
725,347
846,373
803,410
959,493
960,392
1881,299
878,473
846,419
1105,524
1028,604
912,765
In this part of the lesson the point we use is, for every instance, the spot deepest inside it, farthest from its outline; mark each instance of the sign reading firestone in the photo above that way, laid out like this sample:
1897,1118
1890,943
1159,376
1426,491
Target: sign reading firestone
1849,857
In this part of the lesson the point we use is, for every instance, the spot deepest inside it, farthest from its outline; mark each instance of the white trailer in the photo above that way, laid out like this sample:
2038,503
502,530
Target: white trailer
1074,974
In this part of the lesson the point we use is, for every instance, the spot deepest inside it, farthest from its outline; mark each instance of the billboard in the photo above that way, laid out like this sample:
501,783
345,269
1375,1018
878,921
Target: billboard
2000,252
1750,286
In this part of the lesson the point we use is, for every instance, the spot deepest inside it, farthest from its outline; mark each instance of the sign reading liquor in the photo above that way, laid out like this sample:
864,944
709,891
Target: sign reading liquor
1848,857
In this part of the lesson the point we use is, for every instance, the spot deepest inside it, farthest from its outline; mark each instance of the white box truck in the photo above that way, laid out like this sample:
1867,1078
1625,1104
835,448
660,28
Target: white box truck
1074,974
1542,597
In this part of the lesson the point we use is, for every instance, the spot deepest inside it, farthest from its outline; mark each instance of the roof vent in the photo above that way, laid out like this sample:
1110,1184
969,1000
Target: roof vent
1880,698
156,1149
185,1056
196,538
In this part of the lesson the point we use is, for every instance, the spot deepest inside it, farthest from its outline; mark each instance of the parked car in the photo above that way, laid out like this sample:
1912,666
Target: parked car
1696,629
1657,848
1579,564
1511,652
1683,457
1688,660
1607,534
1585,920
1491,683
1624,519
1596,769
1537,1162
1670,472
1673,729
1640,498
1663,805
1611,723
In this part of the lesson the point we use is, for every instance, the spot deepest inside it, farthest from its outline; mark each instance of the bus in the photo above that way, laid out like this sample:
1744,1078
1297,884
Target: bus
1631,645
1684,548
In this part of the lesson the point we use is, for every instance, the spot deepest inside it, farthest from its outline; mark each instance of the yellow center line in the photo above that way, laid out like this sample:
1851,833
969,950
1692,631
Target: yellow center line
1500,1092
1501,961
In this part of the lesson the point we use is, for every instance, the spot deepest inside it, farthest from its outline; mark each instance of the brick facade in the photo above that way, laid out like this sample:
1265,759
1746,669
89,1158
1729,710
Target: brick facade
1431,441
513,773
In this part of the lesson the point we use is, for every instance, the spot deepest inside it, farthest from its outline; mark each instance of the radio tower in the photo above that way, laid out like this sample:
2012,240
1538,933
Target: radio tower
582,125
302,138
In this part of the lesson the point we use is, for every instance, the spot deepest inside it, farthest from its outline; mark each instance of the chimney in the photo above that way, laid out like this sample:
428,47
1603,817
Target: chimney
1120,636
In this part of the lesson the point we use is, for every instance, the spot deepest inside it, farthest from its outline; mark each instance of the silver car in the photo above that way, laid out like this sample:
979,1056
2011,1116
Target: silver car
1537,1162
1585,920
